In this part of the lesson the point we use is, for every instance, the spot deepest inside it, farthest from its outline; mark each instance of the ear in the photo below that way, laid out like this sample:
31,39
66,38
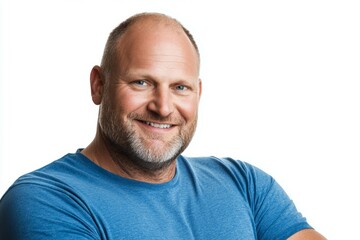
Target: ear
96,84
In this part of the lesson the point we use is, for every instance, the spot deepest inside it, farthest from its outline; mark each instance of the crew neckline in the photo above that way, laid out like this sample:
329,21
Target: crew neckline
103,173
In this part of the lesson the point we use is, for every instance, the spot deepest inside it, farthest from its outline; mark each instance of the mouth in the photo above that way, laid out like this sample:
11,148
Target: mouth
158,125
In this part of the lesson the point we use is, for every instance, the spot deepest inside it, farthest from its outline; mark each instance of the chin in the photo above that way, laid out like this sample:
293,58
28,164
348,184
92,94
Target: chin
154,166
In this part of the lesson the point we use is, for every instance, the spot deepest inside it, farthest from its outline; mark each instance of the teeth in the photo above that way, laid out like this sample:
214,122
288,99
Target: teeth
157,125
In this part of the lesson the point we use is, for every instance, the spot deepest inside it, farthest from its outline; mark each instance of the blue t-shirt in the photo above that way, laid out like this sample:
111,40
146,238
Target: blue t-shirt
209,198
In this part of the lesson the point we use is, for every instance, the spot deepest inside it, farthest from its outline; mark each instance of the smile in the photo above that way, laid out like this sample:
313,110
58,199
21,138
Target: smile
158,125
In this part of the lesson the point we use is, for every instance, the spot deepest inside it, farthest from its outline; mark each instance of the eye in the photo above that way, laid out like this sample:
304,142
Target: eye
140,82
181,88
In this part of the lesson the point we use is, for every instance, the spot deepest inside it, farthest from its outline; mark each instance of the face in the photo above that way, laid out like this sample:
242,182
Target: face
150,104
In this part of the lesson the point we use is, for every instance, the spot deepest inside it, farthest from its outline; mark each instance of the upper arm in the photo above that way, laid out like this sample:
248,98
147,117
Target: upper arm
275,214
310,234
30,211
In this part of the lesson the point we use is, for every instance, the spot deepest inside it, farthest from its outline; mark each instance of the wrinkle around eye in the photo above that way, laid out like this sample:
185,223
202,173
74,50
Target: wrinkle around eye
140,84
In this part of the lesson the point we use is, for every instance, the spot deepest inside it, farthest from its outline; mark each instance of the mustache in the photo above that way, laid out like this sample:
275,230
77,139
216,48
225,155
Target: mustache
151,117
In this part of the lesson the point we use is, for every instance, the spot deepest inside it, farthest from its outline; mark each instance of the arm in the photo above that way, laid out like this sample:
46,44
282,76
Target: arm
307,234
30,211
276,216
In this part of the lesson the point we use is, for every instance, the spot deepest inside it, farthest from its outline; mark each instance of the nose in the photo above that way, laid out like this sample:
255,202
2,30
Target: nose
161,102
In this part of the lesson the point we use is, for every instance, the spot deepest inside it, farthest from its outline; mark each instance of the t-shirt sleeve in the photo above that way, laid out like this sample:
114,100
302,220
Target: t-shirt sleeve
31,211
275,214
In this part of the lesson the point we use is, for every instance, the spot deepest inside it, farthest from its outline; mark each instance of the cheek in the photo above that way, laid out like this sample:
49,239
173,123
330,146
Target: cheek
129,102
188,109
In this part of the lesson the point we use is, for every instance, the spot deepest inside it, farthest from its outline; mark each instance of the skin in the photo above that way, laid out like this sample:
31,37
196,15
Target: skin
307,234
155,79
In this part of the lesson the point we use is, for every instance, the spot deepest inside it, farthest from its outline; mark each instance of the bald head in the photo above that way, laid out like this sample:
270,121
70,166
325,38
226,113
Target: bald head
141,22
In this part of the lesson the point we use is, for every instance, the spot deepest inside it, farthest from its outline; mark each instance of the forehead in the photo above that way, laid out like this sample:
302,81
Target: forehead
157,42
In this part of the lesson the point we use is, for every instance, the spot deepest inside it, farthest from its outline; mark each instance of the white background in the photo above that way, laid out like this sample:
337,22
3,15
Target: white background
281,90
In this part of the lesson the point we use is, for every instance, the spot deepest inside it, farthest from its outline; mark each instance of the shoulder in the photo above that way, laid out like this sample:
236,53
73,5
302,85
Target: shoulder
37,200
273,211
51,173
57,178
233,174
212,161
59,171
226,166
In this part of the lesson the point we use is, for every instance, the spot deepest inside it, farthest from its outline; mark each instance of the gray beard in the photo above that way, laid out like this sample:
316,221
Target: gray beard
124,141
158,158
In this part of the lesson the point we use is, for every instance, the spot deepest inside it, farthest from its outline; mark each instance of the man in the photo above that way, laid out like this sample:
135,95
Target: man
131,181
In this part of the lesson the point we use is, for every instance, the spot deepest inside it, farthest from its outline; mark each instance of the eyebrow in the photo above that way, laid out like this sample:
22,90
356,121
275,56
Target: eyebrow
140,74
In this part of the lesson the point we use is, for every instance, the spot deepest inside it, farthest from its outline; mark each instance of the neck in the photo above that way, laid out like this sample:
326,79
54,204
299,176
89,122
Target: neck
100,152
